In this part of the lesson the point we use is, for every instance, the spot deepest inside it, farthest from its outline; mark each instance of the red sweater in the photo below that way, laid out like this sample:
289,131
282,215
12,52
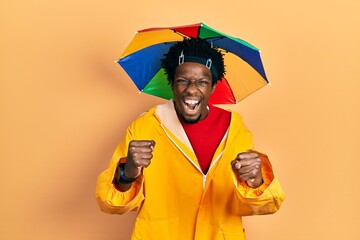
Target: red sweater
206,134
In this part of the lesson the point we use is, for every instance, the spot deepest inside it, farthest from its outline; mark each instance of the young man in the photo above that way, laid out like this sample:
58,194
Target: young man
187,166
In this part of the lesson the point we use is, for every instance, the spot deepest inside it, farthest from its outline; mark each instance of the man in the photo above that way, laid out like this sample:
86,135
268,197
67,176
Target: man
187,166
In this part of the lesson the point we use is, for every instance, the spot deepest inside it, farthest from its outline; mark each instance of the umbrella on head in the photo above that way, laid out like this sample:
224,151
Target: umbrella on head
142,62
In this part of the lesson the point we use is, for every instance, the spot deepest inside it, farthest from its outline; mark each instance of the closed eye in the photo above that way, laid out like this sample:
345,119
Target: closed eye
202,83
182,82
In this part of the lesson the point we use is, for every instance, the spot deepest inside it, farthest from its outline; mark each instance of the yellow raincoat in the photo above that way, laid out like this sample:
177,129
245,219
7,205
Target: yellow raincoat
174,198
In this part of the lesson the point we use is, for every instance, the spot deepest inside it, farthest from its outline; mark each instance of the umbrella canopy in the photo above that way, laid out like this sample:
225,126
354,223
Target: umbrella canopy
142,62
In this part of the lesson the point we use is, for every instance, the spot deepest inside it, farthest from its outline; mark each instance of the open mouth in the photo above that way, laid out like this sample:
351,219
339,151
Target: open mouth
191,105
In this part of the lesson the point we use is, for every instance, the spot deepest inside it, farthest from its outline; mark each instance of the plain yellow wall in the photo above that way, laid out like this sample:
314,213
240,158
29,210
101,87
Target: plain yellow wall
65,105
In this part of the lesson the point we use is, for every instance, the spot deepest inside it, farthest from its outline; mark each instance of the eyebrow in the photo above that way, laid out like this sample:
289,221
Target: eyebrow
201,78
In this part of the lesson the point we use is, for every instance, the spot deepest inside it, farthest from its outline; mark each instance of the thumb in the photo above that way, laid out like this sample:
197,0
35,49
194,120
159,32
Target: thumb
236,164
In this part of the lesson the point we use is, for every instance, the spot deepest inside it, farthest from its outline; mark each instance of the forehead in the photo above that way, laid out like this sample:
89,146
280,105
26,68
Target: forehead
191,69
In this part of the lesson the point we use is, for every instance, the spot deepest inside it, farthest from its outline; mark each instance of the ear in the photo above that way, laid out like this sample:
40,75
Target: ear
171,83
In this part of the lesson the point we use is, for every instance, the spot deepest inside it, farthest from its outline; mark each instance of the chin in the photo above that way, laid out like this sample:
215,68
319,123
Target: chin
191,119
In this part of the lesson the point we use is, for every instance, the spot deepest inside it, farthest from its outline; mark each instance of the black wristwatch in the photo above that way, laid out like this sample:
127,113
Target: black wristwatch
122,178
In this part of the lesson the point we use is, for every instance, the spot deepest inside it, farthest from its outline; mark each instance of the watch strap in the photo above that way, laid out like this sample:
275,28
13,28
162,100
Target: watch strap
122,178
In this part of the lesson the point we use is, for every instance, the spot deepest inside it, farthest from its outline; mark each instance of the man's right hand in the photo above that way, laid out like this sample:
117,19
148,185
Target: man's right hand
139,156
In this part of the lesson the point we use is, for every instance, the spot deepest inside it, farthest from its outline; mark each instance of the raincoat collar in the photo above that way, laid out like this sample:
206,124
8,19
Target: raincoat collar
168,117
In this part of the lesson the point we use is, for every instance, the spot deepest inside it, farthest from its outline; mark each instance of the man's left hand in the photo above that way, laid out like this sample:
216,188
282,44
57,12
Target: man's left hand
248,166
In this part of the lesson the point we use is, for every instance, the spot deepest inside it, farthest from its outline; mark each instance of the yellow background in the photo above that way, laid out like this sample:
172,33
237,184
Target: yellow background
65,104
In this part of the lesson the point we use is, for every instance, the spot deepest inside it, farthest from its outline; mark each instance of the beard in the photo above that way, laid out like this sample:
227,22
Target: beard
190,121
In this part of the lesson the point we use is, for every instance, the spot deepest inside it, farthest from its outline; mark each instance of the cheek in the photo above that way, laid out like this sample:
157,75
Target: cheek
208,92
176,92
173,88
177,89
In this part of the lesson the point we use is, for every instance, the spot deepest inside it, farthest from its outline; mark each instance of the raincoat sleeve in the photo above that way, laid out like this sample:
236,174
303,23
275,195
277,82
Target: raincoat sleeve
265,199
109,198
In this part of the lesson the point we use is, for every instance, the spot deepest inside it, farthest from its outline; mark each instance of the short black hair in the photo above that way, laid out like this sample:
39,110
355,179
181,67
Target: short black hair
194,47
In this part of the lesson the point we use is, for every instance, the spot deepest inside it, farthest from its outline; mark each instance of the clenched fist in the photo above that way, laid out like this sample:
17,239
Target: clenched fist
139,156
248,166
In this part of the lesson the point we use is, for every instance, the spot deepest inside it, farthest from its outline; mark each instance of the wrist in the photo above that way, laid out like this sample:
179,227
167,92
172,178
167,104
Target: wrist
123,178
255,182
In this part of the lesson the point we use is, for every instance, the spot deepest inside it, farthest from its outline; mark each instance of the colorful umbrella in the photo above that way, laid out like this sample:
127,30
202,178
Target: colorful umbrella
142,62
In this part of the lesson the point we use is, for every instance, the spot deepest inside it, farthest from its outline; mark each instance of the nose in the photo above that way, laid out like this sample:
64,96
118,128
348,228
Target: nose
192,87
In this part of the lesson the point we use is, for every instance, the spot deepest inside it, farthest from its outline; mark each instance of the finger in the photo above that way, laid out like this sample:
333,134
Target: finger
248,168
142,143
146,163
139,156
247,155
237,165
140,163
249,176
140,149
152,145
250,161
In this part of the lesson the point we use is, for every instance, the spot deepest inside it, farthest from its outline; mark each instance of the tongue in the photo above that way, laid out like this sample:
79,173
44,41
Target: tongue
191,106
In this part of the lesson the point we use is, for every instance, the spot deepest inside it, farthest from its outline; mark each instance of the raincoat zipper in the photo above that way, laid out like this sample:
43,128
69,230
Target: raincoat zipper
197,167
204,180
192,162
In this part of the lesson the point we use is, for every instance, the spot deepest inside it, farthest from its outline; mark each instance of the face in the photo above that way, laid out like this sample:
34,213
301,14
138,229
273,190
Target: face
192,88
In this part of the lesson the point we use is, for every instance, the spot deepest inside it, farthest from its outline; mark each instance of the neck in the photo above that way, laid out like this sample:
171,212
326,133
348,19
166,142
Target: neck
184,120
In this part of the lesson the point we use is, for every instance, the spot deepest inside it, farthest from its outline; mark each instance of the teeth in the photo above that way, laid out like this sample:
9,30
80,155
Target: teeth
191,102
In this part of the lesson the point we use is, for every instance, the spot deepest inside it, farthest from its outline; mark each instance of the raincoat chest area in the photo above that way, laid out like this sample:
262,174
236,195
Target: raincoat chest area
174,198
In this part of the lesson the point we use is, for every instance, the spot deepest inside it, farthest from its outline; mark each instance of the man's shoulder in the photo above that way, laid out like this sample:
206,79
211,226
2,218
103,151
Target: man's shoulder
153,112
146,114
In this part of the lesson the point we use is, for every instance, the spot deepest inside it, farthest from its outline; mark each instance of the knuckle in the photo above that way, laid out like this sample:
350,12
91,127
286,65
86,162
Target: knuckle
240,155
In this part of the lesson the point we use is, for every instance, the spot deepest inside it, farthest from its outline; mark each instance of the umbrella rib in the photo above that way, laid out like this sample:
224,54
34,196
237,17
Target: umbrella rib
181,34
